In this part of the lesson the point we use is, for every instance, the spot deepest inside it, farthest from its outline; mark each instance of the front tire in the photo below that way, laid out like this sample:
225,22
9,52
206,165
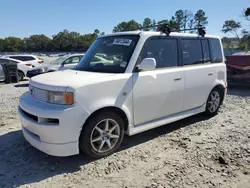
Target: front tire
213,102
102,134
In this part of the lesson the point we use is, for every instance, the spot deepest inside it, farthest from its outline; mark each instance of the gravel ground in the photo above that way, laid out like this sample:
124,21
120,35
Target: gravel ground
195,152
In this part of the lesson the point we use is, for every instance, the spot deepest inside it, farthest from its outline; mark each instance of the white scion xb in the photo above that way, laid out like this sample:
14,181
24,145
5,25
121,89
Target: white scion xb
150,79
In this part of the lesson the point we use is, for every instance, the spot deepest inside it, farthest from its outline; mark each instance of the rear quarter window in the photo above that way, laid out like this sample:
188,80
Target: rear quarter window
29,58
191,51
17,57
216,51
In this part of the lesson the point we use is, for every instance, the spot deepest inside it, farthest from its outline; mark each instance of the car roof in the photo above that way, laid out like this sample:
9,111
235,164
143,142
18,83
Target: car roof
11,59
156,33
20,55
71,55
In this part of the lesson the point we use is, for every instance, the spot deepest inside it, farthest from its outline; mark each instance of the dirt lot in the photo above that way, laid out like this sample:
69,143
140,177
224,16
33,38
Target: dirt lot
195,152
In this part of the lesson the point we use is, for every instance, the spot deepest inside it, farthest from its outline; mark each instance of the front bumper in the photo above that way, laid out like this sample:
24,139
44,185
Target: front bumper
57,138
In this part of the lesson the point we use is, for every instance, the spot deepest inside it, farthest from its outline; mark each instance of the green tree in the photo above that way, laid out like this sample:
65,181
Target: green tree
246,14
1,45
162,22
153,24
66,41
127,26
96,32
13,44
188,20
37,43
231,26
172,24
147,23
200,19
179,15
85,42
226,42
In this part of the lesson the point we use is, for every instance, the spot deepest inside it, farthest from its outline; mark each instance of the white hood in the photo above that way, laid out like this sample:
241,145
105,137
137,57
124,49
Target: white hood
60,80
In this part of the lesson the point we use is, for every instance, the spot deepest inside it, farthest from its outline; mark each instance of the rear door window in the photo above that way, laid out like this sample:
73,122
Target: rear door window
191,51
216,52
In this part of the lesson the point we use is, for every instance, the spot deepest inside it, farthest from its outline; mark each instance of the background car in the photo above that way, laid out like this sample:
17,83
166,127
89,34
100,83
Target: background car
62,63
29,59
21,66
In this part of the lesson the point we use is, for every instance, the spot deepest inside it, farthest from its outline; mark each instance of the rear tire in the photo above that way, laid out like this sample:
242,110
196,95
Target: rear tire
20,75
213,102
102,134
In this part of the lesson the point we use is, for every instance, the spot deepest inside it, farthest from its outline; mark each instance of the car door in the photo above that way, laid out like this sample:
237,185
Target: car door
71,62
158,93
199,73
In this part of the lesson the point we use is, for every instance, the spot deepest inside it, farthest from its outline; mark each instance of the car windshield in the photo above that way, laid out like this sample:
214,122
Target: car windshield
109,54
59,60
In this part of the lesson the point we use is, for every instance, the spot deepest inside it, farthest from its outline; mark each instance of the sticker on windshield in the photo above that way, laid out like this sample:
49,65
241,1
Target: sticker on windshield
123,64
123,42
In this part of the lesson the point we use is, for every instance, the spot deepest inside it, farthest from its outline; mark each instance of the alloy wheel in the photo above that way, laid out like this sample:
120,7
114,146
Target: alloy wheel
213,101
105,135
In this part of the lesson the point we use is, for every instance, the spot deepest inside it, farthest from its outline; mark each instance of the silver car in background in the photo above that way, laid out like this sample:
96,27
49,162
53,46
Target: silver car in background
62,63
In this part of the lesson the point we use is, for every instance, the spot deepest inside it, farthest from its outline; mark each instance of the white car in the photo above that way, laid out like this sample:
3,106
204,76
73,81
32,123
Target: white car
21,66
28,59
155,78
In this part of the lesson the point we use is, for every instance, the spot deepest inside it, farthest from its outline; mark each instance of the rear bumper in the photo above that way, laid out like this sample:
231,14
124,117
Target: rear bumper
31,74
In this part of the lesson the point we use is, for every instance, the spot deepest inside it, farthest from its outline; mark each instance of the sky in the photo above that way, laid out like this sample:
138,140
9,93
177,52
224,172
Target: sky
22,18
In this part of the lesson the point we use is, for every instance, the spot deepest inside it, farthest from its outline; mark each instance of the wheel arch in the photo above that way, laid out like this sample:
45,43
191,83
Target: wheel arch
222,90
23,74
19,70
116,109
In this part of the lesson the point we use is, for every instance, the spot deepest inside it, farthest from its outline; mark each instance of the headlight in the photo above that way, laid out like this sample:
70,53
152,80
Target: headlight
60,98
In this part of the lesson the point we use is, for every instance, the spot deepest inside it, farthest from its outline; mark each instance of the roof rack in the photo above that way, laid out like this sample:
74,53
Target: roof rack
167,30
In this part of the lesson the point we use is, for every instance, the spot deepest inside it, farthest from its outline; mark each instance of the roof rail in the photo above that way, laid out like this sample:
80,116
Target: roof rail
167,30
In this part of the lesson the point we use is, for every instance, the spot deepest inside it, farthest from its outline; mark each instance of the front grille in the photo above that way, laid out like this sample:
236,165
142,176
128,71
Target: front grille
39,94
35,118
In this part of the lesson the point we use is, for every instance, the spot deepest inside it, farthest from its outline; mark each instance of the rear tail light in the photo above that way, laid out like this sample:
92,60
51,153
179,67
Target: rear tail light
28,64
39,62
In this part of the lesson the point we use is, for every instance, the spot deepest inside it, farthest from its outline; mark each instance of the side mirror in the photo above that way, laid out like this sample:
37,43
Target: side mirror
147,64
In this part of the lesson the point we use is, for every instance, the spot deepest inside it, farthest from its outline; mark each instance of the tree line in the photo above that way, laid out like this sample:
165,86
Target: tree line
66,41
236,29
183,19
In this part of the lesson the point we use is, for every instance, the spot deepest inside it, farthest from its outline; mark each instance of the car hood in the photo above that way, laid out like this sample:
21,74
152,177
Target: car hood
61,80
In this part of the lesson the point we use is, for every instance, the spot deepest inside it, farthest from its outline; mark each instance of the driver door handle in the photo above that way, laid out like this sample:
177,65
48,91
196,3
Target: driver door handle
210,74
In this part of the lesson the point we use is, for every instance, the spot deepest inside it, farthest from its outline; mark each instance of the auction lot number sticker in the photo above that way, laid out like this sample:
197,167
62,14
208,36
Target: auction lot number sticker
123,42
